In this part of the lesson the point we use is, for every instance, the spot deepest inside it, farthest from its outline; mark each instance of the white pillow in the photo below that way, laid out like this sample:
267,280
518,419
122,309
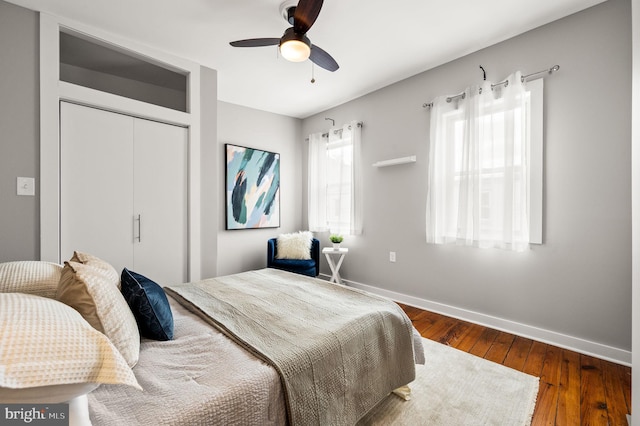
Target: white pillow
294,246
53,394
47,343
30,276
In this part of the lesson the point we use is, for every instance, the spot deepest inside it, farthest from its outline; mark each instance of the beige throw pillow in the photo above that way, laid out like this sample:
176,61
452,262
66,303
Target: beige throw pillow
92,292
46,343
296,245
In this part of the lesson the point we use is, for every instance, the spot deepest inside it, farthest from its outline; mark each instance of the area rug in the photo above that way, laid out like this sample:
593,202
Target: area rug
456,388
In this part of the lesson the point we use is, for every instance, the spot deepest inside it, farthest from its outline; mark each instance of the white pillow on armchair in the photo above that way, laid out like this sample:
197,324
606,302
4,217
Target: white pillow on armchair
296,245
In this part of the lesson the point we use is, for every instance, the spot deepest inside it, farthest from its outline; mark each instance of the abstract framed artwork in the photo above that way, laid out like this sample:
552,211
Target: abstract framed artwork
252,188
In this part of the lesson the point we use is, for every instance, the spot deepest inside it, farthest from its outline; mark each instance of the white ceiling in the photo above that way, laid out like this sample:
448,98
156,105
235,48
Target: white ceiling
375,42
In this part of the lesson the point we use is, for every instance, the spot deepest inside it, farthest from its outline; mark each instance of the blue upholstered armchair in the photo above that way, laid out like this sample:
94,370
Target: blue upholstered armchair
310,267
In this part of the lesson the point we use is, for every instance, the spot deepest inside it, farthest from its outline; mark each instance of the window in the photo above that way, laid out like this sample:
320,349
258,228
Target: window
485,167
335,186
339,184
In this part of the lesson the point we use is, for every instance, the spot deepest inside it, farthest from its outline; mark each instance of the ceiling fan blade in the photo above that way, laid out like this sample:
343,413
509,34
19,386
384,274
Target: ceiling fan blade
256,42
323,59
305,15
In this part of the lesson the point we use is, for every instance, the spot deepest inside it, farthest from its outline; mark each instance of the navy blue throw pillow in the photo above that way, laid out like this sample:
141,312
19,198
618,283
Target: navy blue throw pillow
149,305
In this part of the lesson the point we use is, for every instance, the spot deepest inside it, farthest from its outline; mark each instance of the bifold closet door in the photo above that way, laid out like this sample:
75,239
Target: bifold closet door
96,191
123,191
160,201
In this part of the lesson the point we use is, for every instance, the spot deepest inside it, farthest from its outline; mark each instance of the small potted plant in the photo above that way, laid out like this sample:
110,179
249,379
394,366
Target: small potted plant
336,239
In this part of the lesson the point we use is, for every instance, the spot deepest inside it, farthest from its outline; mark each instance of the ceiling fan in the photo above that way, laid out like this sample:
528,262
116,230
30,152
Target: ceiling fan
294,45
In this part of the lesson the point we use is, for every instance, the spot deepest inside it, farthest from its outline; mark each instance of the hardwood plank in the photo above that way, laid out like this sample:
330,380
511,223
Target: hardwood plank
551,367
535,361
624,376
617,409
454,334
500,347
518,353
470,338
484,342
440,328
424,321
545,411
568,412
593,406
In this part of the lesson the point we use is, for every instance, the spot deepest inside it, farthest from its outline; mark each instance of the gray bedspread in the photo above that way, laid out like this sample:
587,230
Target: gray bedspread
201,378
339,351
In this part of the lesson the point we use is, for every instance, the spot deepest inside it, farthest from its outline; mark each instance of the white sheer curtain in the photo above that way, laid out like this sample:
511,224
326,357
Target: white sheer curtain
317,183
478,180
335,181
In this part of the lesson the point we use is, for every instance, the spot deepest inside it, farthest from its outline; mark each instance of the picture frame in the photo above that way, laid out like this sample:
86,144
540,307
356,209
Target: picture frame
252,186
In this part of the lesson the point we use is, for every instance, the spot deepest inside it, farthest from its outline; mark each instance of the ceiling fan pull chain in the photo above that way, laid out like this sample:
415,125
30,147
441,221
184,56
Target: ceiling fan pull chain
313,77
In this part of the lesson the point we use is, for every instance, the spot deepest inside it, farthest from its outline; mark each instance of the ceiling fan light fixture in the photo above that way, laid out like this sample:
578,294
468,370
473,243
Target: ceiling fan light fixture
295,51
295,47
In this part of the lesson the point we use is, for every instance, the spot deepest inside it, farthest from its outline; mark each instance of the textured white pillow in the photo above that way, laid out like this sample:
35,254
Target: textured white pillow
91,260
52,394
30,276
296,245
94,294
47,343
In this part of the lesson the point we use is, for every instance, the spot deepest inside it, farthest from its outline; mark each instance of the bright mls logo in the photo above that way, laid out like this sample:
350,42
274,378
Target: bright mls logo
34,414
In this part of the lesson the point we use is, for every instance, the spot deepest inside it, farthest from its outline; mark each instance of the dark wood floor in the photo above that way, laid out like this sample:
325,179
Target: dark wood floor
575,389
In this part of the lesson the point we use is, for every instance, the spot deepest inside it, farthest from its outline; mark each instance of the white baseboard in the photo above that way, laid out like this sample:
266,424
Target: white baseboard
576,344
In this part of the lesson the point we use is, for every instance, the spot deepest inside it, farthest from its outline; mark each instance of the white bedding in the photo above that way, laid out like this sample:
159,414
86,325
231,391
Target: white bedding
339,351
198,378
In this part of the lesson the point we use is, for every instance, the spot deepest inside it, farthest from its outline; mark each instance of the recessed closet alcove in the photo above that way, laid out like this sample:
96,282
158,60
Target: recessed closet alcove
115,114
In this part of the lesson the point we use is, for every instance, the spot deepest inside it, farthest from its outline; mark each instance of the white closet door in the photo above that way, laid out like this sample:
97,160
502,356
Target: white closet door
160,198
96,192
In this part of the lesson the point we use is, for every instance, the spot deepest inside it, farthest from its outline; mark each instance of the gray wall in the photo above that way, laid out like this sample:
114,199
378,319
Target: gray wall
635,167
19,132
579,281
20,145
209,184
246,249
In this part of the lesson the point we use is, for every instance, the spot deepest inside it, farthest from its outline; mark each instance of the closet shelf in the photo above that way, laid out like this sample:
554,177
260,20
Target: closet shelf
395,161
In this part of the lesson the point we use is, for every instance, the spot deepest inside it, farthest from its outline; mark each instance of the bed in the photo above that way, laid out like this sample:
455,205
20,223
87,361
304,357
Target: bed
315,367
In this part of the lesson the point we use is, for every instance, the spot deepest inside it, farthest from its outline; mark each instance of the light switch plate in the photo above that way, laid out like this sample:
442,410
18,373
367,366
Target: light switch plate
26,186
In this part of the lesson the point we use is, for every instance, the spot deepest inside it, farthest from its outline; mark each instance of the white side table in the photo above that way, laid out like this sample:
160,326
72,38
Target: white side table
335,267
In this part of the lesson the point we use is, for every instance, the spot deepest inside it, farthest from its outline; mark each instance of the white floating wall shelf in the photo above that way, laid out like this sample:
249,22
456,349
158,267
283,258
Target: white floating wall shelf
395,161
